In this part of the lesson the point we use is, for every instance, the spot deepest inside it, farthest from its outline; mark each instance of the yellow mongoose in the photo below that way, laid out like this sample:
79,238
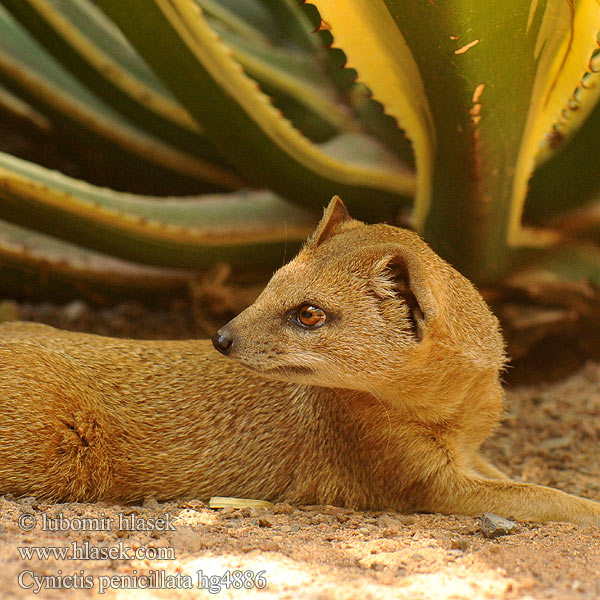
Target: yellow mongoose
366,374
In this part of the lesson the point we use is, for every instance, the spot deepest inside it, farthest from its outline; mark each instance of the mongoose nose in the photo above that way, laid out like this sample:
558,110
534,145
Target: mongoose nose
222,341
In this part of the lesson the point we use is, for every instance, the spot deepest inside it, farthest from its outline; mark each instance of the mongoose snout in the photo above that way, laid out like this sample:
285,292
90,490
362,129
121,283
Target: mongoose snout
222,340
366,374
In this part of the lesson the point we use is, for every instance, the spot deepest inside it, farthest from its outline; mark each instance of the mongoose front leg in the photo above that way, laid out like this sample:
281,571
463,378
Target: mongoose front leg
453,491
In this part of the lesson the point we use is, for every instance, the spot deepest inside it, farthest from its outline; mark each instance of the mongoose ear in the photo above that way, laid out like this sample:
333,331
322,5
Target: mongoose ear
334,218
401,274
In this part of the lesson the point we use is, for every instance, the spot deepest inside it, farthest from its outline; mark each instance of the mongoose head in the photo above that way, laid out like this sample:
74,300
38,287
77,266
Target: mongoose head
364,307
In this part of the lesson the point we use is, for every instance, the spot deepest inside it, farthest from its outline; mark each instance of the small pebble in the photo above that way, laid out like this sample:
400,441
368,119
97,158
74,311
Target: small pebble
265,522
389,533
493,526
283,508
389,522
318,519
459,544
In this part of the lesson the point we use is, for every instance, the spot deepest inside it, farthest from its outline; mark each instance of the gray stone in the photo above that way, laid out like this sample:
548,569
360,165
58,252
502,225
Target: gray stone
493,526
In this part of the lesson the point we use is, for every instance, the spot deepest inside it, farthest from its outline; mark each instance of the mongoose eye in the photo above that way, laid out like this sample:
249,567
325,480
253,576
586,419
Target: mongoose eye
310,316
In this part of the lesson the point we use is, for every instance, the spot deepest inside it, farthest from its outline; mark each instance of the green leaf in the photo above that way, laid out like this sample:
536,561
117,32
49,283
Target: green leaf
36,265
248,15
570,262
93,49
382,126
566,42
290,75
375,47
194,232
291,24
569,179
476,119
175,39
281,22
31,73
238,24
293,72
19,109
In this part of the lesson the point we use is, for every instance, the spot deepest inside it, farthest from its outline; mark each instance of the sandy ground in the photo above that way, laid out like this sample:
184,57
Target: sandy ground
551,436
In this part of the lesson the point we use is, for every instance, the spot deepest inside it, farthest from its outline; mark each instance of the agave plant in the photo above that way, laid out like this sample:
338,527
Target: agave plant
431,114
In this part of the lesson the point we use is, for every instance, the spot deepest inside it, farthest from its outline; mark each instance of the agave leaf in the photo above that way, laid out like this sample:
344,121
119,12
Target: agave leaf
278,21
34,264
240,228
488,138
232,19
369,113
293,25
294,75
486,116
375,47
562,94
289,74
31,72
93,49
570,179
570,262
384,127
17,108
251,13
175,39
582,103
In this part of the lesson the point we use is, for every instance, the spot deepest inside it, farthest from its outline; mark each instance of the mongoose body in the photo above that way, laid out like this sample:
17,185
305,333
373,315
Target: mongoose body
367,374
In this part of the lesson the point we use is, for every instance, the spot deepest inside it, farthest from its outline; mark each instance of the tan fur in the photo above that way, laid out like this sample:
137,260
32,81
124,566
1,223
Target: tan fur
384,406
